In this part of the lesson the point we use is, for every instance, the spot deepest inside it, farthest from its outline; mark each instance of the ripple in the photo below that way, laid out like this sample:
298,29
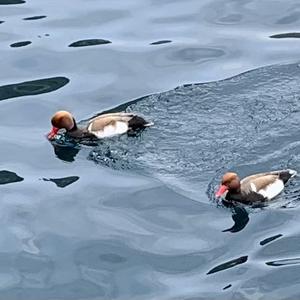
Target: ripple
227,287
286,35
112,258
64,181
89,42
20,44
270,239
34,18
34,87
289,19
115,256
196,54
74,289
284,262
8,2
161,42
179,149
9,177
229,264
230,19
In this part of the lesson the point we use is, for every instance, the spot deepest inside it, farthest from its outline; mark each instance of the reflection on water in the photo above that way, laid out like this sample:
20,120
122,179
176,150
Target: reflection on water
227,287
90,42
9,177
196,54
33,87
65,153
63,182
161,42
284,262
240,218
229,264
34,18
8,2
270,239
20,44
286,35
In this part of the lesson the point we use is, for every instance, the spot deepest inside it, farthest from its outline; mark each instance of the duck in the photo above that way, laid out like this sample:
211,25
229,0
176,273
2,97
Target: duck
260,187
103,126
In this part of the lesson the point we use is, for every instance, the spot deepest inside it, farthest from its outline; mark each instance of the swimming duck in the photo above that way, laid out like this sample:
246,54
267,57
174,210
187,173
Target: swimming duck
255,188
102,126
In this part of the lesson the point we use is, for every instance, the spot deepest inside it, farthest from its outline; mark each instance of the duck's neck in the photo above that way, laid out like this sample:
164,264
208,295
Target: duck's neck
75,128
232,193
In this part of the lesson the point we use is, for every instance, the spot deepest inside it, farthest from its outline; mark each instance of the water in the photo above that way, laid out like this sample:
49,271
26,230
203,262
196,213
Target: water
135,217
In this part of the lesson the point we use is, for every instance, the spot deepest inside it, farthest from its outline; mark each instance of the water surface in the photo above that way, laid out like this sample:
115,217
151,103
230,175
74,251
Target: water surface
135,217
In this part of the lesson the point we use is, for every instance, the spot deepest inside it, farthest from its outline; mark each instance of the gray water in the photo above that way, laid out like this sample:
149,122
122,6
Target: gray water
135,217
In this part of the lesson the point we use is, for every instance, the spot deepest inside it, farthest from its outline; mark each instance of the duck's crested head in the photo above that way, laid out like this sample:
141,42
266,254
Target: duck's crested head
61,119
230,181
229,177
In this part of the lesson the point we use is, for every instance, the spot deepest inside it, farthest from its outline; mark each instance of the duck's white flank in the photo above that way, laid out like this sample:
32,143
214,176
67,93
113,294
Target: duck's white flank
272,190
111,130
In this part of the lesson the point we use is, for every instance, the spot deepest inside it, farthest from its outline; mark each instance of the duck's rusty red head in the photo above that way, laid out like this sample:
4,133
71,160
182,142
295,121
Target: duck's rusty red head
61,119
230,181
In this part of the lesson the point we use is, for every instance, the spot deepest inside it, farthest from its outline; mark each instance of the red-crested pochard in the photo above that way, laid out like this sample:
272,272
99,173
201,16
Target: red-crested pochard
103,126
255,188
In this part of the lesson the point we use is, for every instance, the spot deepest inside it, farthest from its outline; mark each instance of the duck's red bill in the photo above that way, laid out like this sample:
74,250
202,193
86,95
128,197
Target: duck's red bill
52,133
222,189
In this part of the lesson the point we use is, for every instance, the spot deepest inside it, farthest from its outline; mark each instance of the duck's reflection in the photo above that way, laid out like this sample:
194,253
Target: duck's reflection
65,153
240,218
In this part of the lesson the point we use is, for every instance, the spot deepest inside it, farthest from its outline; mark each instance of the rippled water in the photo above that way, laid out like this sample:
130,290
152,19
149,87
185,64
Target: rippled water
135,217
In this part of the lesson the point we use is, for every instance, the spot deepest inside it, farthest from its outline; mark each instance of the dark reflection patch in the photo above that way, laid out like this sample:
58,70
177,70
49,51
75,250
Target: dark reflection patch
34,18
1,22
112,258
90,42
240,218
64,181
8,2
286,35
284,262
20,44
227,287
161,42
228,264
65,153
9,177
194,54
34,87
270,239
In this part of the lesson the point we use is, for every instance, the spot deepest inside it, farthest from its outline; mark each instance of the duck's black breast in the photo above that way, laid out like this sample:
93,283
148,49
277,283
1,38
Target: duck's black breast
81,133
82,136
248,198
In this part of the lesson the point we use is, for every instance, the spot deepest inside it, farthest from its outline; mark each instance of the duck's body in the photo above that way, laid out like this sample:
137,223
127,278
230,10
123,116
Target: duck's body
102,126
255,188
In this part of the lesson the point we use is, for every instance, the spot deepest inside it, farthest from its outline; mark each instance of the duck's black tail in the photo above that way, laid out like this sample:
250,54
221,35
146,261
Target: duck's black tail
138,123
286,175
